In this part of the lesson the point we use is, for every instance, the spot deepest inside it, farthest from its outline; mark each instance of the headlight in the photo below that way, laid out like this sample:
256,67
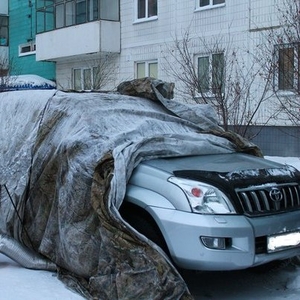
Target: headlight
204,198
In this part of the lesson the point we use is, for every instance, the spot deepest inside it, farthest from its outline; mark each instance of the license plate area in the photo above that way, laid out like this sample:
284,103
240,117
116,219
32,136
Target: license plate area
283,241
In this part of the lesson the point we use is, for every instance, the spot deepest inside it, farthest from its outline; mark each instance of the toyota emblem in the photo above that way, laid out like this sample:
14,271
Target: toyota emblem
276,194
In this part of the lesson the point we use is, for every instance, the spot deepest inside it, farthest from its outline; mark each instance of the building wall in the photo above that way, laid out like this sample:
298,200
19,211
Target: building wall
238,26
151,40
21,32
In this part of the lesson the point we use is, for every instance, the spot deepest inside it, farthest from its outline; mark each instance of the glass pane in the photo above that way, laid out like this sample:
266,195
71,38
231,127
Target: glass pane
49,19
81,12
40,22
152,8
77,80
286,69
87,79
204,3
3,31
40,4
3,21
218,2
140,70
96,78
109,10
153,70
141,9
92,10
3,36
203,74
218,73
70,13
59,16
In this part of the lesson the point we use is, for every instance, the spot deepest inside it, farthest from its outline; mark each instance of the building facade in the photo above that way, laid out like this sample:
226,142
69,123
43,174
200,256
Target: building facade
83,38
22,41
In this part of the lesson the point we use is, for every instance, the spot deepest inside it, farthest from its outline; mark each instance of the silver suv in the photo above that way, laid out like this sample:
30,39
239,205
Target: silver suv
217,212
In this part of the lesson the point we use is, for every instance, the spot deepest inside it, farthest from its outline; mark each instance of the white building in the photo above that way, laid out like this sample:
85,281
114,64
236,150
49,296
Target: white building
135,38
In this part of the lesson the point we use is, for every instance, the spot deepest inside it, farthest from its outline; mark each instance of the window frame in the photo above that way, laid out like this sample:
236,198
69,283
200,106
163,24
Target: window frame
85,73
31,46
210,77
146,18
210,5
147,64
287,74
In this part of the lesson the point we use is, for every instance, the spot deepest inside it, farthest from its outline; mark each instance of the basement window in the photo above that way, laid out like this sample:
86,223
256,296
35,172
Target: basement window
27,49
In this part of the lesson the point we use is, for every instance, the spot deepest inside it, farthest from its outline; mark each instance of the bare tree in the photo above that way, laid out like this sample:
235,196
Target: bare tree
6,66
220,77
103,69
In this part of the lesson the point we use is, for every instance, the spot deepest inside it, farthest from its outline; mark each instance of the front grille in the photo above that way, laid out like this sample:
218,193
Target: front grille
270,198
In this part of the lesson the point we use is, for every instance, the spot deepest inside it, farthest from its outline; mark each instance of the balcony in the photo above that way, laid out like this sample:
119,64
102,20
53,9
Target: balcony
88,38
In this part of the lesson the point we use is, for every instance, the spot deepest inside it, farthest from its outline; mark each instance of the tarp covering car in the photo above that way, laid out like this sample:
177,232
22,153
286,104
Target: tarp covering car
65,161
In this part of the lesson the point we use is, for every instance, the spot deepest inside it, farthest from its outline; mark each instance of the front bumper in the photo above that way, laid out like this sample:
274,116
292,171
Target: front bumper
182,232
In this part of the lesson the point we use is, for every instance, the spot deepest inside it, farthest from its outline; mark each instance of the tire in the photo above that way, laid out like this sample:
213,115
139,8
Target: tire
143,223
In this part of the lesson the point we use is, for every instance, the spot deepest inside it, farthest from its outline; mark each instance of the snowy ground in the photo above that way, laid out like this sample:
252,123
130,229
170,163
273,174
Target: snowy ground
284,283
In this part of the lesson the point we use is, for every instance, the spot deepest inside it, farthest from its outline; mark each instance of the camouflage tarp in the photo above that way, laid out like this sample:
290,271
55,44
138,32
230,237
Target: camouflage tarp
65,161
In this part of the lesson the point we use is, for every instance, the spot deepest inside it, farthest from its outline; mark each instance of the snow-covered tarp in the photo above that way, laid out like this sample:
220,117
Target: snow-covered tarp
65,161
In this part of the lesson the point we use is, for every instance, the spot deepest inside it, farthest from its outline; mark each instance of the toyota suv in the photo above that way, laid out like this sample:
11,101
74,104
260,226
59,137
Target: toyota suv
217,212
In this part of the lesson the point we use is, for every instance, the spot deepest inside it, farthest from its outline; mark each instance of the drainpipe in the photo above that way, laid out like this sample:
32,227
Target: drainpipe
23,255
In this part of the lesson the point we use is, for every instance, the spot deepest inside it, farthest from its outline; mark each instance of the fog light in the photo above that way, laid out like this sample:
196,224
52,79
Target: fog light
214,242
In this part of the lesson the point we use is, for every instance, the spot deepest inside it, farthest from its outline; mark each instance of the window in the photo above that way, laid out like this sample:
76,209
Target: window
147,69
62,13
288,67
27,49
209,3
3,31
86,79
146,9
211,69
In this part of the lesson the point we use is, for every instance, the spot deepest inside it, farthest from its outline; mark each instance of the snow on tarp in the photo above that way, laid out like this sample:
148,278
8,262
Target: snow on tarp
65,161
26,82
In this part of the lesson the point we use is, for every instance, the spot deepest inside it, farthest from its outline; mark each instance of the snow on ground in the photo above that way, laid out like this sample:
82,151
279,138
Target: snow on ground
20,283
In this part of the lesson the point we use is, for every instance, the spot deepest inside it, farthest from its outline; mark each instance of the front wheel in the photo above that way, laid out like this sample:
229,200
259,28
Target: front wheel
143,223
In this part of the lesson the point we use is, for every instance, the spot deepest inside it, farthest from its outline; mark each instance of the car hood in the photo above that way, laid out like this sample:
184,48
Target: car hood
236,169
